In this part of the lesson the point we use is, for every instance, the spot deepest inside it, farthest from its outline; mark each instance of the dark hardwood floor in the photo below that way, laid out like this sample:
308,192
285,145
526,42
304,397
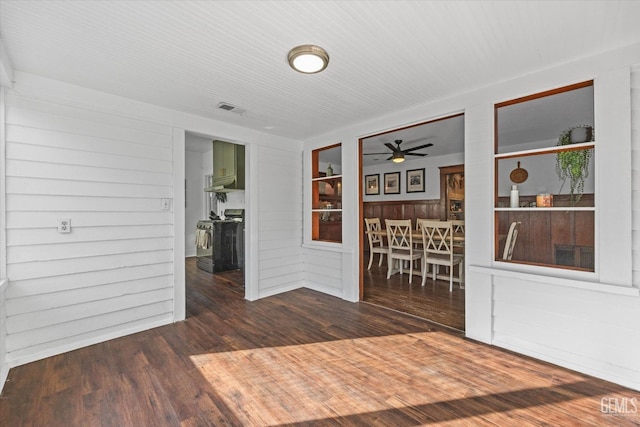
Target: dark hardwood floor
433,301
299,358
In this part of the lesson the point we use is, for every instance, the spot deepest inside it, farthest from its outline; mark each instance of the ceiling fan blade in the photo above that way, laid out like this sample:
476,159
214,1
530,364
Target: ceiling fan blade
418,148
391,147
369,154
416,154
389,158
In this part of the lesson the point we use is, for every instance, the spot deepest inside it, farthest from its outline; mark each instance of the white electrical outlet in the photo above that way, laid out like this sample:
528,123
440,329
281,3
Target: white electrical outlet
166,204
64,225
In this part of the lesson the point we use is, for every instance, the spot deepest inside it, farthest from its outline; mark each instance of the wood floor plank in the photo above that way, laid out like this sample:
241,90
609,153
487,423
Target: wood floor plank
432,301
299,359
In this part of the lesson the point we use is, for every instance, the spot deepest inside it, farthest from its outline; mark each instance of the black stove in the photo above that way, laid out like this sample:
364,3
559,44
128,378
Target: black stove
226,249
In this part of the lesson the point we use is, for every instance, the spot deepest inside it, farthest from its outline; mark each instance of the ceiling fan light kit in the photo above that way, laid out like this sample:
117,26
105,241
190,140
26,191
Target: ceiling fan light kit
398,155
308,59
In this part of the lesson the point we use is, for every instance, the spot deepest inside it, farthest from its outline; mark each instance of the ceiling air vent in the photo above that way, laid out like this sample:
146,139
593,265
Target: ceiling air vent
229,107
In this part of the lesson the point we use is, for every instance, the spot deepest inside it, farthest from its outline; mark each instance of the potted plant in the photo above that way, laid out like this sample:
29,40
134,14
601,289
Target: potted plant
574,164
220,196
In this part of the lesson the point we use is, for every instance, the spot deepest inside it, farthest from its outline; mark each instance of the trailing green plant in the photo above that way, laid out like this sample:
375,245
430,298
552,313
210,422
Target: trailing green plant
221,197
573,164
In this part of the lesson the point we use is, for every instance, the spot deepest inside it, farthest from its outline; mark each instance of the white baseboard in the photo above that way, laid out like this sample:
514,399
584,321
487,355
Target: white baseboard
263,293
621,376
335,292
4,373
53,351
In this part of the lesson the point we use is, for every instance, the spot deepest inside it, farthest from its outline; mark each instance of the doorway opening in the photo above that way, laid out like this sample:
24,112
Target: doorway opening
427,183
214,220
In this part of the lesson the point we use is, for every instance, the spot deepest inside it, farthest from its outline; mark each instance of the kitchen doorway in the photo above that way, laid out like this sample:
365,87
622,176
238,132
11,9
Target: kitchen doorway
214,223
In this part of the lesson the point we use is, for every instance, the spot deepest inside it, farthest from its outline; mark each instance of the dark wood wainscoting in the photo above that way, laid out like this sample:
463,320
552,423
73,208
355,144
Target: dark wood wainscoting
403,209
551,237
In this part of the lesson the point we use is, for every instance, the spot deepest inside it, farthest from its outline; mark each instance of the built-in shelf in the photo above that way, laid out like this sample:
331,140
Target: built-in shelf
326,191
327,178
547,150
554,208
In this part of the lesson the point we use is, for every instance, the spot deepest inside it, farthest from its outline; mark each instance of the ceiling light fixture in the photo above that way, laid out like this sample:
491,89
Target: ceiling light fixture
308,58
398,157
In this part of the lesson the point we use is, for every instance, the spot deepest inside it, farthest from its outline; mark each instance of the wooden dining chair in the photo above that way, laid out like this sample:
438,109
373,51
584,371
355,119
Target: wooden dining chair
458,226
376,245
437,241
510,243
458,230
418,242
400,241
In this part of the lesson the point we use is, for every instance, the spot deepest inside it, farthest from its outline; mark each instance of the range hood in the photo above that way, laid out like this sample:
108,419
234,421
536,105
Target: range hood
228,167
226,185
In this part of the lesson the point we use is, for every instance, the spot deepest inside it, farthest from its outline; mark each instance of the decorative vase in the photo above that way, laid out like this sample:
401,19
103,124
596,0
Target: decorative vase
581,134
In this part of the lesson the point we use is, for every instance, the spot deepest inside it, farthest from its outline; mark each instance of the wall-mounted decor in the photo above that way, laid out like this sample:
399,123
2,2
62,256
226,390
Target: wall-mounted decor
392,183
415,180
372,184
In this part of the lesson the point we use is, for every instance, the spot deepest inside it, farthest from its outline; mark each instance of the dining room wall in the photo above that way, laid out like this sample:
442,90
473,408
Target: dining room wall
431,166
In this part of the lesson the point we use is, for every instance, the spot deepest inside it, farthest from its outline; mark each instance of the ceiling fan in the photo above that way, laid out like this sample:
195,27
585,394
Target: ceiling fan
397,154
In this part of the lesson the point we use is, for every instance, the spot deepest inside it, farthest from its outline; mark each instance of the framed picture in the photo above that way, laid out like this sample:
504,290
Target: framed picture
415,180
392,183
372,184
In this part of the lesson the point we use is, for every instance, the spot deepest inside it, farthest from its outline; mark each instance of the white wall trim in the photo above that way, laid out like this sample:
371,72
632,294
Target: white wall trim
269,292
4,374
558,281
179,272
4,366
3,189
329,247
22,360
615,374
251,238
334,292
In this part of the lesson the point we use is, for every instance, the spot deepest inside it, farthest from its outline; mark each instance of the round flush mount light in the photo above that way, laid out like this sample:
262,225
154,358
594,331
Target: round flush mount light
308,58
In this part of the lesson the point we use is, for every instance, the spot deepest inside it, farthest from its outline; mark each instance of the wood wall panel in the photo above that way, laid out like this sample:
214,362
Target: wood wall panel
541,233
539,238
410,209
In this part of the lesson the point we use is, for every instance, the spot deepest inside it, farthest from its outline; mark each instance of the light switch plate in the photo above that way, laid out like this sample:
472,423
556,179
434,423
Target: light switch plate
64,225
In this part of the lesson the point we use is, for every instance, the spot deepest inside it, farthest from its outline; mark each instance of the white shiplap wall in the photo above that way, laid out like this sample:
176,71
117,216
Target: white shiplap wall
279,222
114,271
324,271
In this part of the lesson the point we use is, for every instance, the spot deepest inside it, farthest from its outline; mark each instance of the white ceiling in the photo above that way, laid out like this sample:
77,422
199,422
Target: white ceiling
386,56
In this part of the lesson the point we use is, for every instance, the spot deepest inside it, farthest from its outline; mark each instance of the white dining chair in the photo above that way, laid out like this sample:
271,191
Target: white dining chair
510,243
400,241
458,230
376,241
437,241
